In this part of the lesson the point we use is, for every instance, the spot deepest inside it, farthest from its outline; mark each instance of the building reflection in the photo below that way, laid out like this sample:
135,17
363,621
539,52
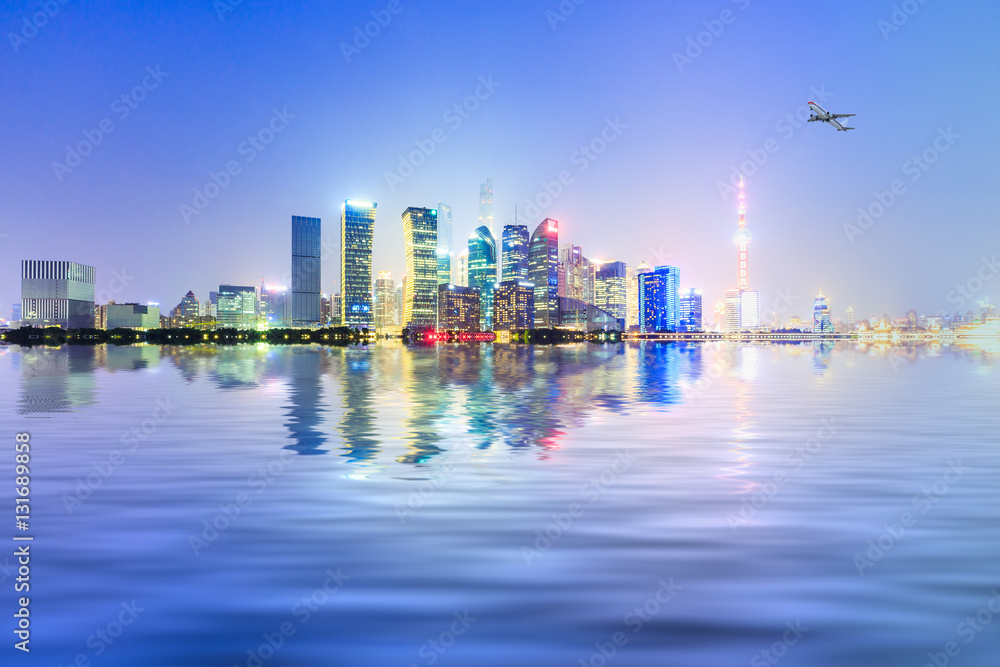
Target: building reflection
56,379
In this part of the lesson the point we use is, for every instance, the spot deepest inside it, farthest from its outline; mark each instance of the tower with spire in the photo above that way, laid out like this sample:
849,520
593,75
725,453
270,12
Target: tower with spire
742,305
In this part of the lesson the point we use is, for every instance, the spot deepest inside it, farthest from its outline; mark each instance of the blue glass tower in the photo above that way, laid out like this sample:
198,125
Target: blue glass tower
658,300
305,271
357,228
483,272
690,316
514,255
543,272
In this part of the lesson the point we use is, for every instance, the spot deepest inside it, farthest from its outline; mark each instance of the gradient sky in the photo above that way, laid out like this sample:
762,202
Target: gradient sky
652,195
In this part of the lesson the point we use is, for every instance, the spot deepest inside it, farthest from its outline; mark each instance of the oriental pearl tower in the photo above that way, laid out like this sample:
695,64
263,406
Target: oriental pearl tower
742,306
741,237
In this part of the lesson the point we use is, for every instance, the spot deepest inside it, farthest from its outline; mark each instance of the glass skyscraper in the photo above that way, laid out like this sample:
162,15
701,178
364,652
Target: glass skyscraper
514,253
420,247
690,311
305,271
239,307
821,315
385,301
483,272
543,272
486,205
658,299
611,289
357,228
446,244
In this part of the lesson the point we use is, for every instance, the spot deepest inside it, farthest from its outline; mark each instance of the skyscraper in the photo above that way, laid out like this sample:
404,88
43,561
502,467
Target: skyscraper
357,228
57,294
658,299
741,237
458,308
420,246
239,307
821,315
689,305
462,268
543,272
385,301
275,306
446,244
483,272
632,300
732,318
305,272
749,310
573,269
514,255
486,205
746,315
610,289
514,306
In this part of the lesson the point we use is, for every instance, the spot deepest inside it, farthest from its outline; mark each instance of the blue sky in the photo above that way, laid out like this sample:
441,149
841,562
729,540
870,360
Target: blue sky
681,128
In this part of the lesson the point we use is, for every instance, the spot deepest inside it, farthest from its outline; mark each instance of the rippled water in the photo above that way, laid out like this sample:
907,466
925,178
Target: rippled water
640,504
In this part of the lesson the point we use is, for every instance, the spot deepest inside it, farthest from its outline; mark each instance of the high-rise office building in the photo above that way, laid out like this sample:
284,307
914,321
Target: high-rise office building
486,206
658,299
611,290
749,310
458,308
275,306
326,309
238,307
446,244
357,229
462,268
742,237
543,272
133,316
400,295
483,272
514,306
821,315
385,301
572,268
850,318
732,316
57,294
306,267
514,253
632,300
420,247
689,305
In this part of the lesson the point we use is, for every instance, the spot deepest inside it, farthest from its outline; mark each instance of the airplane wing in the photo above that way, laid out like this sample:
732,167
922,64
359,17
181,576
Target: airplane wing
842,115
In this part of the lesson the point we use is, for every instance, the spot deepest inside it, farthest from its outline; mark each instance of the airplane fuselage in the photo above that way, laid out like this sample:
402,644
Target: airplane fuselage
822,115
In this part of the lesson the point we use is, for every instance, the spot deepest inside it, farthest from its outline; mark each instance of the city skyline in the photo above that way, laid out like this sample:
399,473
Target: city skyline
657,192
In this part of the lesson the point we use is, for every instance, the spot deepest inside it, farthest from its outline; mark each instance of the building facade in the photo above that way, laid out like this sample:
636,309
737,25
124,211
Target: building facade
446,244
420,247
238,307
486,206
132,316
543,272
385,301
611,289
57,294
357,229
514,306
658,299
821,315
690,315
306,271
483,272
458,308
514,253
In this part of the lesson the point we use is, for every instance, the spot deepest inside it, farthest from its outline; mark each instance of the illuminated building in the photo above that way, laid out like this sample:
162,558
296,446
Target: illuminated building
483,272
571,271
326,309
632,298
742,237
385,301
357,229
400,291
658,299
689,306
583,316
543,272
238,307
57,294
445,244
514,306
458,308
514,255
821,315
486,206
133,316
742,304
610,289
749,310
306,267
275,306
462,268
732,320
420,247
850,318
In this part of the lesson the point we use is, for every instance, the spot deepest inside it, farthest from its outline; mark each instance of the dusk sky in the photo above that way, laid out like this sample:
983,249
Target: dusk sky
683,127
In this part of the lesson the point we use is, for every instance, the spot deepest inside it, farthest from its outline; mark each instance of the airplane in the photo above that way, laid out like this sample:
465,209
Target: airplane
822,115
